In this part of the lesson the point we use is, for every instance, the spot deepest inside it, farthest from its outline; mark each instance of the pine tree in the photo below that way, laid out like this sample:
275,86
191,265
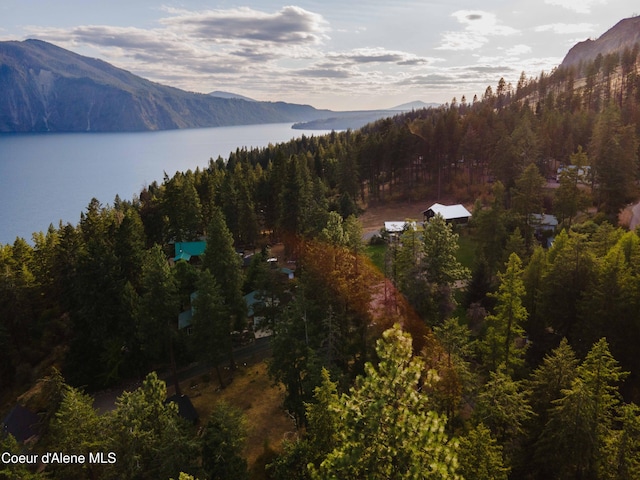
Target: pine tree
149,438
480,456
504,408
572,442
221,259
223,443
211,334
504,341
386,429
614,152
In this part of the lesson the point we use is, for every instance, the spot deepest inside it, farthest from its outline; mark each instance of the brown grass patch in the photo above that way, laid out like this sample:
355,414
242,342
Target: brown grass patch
252,391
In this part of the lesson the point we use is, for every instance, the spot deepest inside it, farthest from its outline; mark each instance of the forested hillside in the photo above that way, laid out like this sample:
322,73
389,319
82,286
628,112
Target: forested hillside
520,363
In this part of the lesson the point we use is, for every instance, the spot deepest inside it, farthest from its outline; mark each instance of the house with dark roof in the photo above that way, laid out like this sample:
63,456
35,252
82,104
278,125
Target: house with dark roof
185,408
21,423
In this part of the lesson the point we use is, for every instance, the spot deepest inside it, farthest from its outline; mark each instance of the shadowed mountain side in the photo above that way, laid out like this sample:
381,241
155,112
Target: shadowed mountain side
46,88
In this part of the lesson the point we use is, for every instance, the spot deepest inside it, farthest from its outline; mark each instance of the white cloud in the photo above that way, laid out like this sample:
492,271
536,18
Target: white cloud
479,26
483,23
196,49
578,6
566,28
518,50
462,41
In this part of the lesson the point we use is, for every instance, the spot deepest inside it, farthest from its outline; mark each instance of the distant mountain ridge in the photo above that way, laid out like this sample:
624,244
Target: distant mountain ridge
415,105
356,119
221,94
624,34
47,88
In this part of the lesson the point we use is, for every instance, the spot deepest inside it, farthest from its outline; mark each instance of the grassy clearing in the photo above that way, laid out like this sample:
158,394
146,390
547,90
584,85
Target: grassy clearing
466,254
376,254
254,393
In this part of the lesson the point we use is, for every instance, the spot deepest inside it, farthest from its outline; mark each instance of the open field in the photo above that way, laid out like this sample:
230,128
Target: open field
374,217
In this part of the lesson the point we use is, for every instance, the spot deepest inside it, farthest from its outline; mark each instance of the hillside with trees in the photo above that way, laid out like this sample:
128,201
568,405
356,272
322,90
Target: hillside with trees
519,363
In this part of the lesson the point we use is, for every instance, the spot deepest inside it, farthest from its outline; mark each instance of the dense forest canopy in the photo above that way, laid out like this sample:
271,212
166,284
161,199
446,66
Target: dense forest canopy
520,364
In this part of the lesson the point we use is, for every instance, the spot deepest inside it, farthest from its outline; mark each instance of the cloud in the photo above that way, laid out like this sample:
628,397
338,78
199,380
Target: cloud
482,23
200,46
185,36
479,26
379,55
566,28
291,25
462,41
582,6
122,43
284,55
324,72
518,50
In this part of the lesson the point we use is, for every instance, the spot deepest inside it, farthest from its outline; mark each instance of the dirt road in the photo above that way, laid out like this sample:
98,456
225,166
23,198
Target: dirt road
635,218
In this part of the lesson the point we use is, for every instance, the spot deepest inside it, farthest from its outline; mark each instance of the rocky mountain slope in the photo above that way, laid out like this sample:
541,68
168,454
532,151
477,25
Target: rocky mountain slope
625,34
46,88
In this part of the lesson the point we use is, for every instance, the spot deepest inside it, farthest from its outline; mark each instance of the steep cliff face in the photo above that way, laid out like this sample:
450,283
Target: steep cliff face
625,34
46,88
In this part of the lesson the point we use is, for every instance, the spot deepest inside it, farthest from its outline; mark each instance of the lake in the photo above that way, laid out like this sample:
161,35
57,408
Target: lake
45,178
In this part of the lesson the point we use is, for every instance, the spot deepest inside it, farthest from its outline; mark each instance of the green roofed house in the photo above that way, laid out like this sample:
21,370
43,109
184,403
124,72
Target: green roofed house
186,250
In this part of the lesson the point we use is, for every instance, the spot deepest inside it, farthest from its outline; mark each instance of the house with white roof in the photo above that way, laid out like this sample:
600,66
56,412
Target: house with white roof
451,213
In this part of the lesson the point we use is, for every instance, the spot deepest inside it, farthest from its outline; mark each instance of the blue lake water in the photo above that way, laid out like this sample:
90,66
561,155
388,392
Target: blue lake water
45,178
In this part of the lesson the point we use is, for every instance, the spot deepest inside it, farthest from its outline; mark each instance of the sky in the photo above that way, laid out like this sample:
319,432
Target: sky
335,54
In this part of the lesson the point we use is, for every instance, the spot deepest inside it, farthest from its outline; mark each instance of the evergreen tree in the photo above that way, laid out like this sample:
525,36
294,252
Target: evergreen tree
555,374
622,447
182,207
527,199
570,198
211,334
491,228
480,456
386,429
537,325
15,471
149,438
323,421
159,307
221,259
572,442
571,270
222,444
78,429
504,408
504,341
294,361
440,266
614,152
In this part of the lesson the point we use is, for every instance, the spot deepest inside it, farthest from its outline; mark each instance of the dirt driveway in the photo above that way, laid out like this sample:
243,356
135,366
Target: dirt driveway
635,217
374,217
